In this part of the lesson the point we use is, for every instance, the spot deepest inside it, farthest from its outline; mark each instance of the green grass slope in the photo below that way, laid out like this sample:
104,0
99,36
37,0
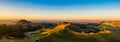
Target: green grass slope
67,36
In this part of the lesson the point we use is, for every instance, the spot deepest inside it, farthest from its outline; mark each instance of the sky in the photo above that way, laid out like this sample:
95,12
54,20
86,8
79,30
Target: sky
60,9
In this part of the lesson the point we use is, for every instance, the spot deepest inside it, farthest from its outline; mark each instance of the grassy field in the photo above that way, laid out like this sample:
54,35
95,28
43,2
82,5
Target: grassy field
35,37
61,34
83,38
66,37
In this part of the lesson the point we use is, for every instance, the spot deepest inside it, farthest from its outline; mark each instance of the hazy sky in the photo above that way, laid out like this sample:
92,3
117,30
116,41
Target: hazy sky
60,9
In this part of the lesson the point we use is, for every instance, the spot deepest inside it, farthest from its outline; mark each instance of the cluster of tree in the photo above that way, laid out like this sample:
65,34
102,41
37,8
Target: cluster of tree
47,25
90,27
18,29
22,26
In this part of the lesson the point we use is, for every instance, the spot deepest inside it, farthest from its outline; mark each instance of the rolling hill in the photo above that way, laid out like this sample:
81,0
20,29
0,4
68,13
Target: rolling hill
69,35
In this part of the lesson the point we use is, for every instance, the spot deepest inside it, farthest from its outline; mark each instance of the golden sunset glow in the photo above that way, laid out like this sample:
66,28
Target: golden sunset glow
108,11
7,17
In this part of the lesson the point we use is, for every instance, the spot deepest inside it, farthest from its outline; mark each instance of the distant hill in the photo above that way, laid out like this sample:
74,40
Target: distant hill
113,23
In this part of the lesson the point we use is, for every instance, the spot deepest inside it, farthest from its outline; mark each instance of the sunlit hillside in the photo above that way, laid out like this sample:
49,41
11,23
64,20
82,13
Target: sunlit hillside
114,24
59,27
59,20
27,31
68,34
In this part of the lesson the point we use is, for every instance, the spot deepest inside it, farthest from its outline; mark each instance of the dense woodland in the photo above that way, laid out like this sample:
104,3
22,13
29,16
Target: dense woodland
18,28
